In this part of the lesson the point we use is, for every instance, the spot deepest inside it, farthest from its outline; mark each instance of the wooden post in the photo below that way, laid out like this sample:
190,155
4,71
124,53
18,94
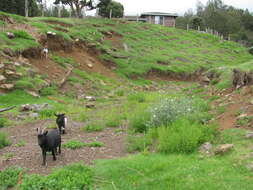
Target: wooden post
229,37
221,37
137,18
110,13
187,27
26,8
198,28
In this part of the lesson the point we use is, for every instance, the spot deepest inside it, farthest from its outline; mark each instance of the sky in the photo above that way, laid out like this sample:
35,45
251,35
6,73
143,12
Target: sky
134,7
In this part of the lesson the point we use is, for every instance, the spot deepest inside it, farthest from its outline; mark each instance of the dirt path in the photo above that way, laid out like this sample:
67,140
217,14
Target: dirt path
29,156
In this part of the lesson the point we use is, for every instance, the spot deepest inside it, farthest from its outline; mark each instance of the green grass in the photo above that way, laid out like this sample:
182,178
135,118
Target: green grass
4,141
62,60
74,144
93,127
177,172
75,176
9,177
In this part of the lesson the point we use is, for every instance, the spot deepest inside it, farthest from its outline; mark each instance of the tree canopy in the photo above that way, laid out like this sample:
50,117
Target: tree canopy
117,9
18,7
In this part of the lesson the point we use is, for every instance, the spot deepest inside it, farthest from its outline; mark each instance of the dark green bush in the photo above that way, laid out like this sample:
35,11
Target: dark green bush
48,91
3,140
3,122
75,176
183,136
9,177
251,50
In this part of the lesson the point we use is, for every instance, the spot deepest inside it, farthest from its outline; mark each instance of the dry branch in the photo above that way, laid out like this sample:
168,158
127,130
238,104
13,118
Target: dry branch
7,109
65,78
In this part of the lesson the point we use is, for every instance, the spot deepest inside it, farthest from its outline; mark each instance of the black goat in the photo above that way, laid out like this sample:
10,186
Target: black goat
61,121
48,142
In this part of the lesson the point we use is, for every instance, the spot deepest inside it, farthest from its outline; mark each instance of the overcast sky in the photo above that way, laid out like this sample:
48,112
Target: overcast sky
133,7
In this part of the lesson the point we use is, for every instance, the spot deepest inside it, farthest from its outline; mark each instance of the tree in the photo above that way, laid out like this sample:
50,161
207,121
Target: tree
77,6
117,9
18,7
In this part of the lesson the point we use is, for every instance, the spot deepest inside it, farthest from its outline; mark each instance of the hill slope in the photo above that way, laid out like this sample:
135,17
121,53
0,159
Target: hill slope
134,48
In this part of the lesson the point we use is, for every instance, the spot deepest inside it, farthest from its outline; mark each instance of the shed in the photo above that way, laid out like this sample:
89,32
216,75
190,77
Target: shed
165,19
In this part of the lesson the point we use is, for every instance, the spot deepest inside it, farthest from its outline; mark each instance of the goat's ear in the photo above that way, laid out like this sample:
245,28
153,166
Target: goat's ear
55,114
45,133
37,130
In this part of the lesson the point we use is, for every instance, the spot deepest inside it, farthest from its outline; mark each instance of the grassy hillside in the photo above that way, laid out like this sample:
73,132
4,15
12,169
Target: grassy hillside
137,48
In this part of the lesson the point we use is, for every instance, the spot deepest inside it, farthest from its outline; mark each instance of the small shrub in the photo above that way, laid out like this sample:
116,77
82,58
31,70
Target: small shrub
22,34
4,140
93,128
73,144
23,84
182,136
94,144
138,120
113,120
137,143
3,122
48,91
75,176
47,113
20,143
120,93
251,50
138,97
167,110
244,121
9,177
82,117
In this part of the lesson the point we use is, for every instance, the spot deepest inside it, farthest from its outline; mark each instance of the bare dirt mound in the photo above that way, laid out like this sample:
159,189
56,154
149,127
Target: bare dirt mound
237,106
89,62
29,156
50,69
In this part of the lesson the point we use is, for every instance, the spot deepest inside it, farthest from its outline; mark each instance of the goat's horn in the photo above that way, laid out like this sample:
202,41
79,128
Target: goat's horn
43,129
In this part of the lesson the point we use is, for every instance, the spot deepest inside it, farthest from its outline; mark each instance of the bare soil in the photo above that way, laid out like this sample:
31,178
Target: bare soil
30,156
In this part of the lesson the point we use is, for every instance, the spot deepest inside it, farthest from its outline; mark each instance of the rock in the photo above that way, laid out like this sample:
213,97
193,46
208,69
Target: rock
1,66
90,65
33,107
9,52
34,94
205,148
22,116
2,79
250,166
7,86
51,33
221,149
205,79
242,116
34,115
90,98
90,105
249,135
25,107
251,102
125,47
17,64
10,35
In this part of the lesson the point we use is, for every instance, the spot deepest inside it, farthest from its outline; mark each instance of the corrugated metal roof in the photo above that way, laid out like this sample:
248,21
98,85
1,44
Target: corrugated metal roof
159,14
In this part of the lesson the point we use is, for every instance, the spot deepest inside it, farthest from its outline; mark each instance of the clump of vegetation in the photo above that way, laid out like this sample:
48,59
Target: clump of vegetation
138,143
3,122
47,91
93,127
182,136
138,119
20,143
244,121
4,141
9,177
75,176
74,144
138,97
63,61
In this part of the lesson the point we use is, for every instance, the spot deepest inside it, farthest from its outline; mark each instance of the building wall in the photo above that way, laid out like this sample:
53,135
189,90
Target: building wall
167,20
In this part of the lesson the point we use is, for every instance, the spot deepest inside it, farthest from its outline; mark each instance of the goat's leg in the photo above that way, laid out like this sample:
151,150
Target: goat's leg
44,154
53,153
60,149
55,150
